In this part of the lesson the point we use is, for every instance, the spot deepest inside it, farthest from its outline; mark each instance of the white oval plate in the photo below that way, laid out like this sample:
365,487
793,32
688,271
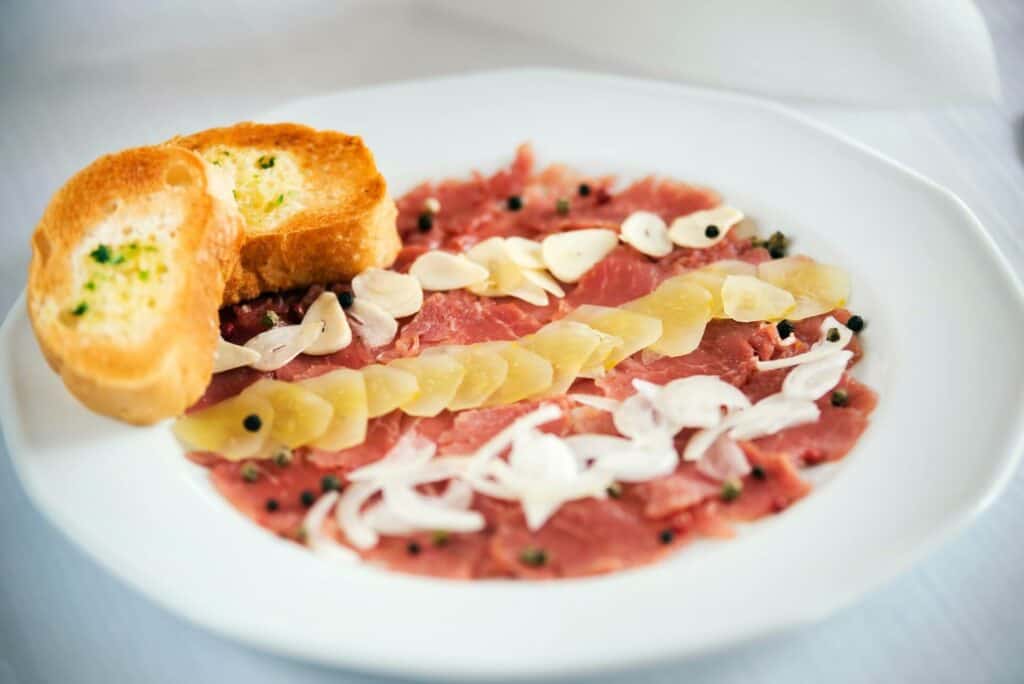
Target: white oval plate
945,325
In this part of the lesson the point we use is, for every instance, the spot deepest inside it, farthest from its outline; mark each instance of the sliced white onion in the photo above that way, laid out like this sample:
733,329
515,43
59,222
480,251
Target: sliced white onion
724,460
410,453
501,441
313,525
813,379
375,325
818,350
427,513
228,356
399,294
385,521
647,233
770,415
595,401
438,271
697,401
349,517
336,333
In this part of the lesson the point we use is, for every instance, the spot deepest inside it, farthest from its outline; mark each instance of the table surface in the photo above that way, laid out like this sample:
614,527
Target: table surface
70,93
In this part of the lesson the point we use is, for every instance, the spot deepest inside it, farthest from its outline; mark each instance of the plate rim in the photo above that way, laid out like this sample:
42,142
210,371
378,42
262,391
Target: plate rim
965,513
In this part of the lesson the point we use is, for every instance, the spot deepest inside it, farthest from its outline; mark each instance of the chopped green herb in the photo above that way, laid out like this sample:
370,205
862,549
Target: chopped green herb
440,538
150,248
101,254
234,193
840,398
80,309
280,198
250,473
533,556
731,490
265,162
562,206
225,153
143,275
216,162
90,285
119,259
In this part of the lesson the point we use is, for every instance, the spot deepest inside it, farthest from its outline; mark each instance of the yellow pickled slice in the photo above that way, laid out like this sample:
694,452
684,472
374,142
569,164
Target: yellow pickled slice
568,346
594,366
221,428
817,288
300,415
486,371
635,331
684,310
345,390
746,298
712,276
387,388
438,377
529,374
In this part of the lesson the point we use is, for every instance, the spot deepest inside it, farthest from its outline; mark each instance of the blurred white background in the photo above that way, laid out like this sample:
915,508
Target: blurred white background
914,78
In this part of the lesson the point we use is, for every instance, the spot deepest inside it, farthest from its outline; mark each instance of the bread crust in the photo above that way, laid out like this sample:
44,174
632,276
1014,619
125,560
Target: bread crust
346,226
160,375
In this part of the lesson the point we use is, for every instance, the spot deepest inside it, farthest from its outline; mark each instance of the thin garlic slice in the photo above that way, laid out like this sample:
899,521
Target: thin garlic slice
439,271
503,274
525,253
278,346
399,294
544,281
647,233
569,255
228,356
336,333
694,230
372,323
745,299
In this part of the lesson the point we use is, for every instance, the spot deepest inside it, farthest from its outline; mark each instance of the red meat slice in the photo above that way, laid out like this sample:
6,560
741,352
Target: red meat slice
682,489
226,385
470,429
621,276
381,435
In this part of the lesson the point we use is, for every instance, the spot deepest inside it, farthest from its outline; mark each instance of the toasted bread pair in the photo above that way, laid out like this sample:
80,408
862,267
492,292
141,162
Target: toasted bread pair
136,253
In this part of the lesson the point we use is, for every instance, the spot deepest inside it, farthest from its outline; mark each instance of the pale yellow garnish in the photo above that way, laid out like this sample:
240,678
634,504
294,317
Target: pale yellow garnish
568,346
746,298
635,331
300,415
438,377
345,390
684,310
226,428
529,374
387,388
817,288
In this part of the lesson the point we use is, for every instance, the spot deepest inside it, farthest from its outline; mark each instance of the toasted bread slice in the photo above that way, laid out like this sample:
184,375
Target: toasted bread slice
128,268
316,208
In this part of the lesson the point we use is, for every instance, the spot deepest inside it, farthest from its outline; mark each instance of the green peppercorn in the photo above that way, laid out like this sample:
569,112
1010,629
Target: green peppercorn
731,490
776,252
283,457
250,473
667,536
832,335
533,556
840,398
614,490
440,538
329,483
270,319
856,323
562,206
307,498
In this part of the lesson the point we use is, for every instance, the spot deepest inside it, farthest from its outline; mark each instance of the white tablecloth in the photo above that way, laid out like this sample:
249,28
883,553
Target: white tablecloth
68,93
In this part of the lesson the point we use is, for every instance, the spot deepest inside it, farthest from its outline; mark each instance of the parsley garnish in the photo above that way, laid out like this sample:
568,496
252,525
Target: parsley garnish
265,162
101,254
